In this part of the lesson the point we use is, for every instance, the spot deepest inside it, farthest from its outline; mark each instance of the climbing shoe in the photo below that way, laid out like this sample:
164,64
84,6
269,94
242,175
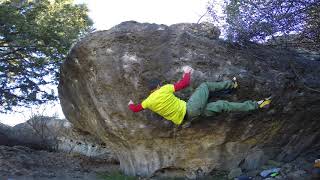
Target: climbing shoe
265,103
317,163
235,82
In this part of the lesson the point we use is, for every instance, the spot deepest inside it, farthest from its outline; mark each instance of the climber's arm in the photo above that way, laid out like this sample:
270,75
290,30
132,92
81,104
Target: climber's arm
135,108
185,81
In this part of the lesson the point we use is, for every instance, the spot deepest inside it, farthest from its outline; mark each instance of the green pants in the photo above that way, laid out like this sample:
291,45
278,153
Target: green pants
198,105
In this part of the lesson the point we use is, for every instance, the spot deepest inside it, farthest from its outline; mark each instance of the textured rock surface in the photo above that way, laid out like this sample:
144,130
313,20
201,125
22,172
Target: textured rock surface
54,134
4,134
72,141
107,68
254,160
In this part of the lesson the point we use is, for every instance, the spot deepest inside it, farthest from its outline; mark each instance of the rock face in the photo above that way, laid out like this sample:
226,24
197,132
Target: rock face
74,141
106,69
4,134
48,133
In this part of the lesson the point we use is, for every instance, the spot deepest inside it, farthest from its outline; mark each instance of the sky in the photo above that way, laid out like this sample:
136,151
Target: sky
108,13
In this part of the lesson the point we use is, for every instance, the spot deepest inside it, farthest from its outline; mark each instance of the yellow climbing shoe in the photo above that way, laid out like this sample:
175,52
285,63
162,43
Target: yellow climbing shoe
264,103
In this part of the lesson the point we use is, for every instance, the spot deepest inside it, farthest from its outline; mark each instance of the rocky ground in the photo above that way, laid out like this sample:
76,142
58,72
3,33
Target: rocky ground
22,163
299,169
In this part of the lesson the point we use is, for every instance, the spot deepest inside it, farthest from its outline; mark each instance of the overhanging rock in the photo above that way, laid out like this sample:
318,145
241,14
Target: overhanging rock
108,68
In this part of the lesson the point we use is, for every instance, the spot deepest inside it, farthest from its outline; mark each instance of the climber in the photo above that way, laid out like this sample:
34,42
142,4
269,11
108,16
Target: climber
163,102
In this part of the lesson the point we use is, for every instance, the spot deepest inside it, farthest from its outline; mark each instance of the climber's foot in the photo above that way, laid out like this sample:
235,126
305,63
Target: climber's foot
265,103
235,82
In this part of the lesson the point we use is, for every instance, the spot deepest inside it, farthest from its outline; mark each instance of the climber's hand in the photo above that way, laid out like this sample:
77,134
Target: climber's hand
187,69
130,102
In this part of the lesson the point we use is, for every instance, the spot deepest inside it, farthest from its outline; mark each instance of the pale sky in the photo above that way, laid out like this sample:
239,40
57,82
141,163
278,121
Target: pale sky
108,13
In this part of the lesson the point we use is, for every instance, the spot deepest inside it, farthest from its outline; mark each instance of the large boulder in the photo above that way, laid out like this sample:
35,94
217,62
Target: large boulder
108,68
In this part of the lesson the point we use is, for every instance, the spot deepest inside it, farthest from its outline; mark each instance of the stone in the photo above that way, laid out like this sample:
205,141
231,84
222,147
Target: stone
274,163
253,173
299,174
234,173
106,69
254,160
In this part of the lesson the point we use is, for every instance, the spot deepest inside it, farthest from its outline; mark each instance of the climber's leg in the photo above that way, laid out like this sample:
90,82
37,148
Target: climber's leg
218,86
225,106
198,101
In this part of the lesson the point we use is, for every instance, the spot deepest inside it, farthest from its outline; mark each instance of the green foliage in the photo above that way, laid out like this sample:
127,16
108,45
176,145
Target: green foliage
116,175
256,20
35,37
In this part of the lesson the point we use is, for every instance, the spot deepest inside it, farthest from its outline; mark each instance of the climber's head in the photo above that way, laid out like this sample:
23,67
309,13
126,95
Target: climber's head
154,84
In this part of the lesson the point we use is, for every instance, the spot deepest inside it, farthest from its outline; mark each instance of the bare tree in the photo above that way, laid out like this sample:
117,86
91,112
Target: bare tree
251,20
47,130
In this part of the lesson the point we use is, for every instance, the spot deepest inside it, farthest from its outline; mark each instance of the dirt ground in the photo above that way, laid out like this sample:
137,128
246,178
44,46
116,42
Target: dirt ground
22,163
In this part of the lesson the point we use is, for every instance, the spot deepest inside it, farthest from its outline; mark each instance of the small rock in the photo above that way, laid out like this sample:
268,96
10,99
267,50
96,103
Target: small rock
234,173
254,160
268,179
191,175
253,173
279,177
297,174
274,163
243,178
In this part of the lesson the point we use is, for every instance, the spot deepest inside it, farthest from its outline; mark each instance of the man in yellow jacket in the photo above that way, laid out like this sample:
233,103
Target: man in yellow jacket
163,101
